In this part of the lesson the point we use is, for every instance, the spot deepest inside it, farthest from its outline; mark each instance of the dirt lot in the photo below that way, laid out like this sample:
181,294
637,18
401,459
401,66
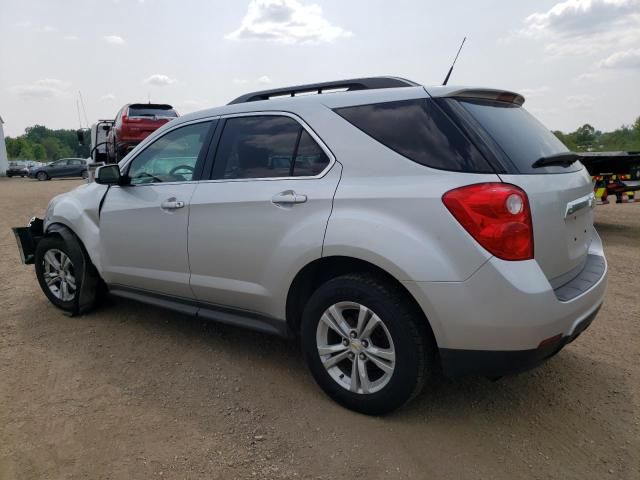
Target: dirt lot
132,391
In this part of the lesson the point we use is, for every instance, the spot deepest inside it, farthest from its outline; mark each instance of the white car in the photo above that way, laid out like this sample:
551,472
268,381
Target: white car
395,229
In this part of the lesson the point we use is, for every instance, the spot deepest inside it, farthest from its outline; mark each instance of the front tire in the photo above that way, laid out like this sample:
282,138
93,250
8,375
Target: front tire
65,274
42,176
366,344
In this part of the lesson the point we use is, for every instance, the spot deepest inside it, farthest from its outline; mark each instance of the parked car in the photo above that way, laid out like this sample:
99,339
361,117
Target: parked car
17,169
396,230
65,167
133,123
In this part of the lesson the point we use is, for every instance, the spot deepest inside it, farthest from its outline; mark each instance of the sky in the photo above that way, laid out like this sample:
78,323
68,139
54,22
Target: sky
575,61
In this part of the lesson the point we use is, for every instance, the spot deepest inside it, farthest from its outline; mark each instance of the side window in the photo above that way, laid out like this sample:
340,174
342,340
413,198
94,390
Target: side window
266,146
75,162
310,158
418,130
172,157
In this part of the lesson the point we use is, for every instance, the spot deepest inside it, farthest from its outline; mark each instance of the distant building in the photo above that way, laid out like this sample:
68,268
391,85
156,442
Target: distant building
4,163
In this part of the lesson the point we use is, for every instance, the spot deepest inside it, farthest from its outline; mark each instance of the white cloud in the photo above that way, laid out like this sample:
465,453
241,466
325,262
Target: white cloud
580,102
286,21
581,17
264,79
584,27
45,88
71,38
114,40
159,80
108,97
623,59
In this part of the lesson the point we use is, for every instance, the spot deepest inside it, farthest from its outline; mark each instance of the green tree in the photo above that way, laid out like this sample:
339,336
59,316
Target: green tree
39,153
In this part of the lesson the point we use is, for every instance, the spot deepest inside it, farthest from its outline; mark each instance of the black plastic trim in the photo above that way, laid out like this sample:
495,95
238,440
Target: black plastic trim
493,364
352,84
218,313
591,274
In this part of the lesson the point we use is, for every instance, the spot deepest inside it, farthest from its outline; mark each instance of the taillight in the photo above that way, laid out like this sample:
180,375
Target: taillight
497,216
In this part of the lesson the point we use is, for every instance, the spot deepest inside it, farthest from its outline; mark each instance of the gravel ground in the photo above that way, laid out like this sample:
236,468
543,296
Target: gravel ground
131,391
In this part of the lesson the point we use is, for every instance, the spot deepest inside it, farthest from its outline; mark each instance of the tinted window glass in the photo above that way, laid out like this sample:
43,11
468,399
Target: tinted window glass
172,157
143,111
310,158
520,135
75,162
418,130
257,147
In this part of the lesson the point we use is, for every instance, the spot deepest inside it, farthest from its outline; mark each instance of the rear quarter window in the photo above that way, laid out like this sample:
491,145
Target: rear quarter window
420,131
518,134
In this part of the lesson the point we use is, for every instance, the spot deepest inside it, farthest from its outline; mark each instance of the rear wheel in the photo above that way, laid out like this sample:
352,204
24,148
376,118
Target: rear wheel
85,174
365,345
41,176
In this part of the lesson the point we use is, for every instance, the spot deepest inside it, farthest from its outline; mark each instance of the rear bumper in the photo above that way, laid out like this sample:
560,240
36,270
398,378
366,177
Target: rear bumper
457,363
507,317
28,238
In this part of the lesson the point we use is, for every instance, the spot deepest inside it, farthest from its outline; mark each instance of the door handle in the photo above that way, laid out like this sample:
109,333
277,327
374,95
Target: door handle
171,204
288,197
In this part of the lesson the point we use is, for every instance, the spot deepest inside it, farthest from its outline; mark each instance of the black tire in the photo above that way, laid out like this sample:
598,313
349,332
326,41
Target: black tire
42,176
87,280
85,174
412,340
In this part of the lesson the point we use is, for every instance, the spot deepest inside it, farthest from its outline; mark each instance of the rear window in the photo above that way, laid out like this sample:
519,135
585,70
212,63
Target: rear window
519,134
152,111
418,130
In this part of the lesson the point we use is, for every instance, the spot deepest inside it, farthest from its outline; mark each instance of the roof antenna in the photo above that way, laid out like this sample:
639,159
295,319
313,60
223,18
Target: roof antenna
446,79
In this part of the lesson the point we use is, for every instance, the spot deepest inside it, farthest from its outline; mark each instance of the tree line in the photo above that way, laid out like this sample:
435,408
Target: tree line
588,139
43,144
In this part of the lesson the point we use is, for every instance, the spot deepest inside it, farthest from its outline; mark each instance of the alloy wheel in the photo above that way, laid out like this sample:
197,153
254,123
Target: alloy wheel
59,275
355,347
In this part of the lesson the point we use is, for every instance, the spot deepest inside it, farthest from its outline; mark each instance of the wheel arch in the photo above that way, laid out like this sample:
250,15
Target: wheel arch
323,269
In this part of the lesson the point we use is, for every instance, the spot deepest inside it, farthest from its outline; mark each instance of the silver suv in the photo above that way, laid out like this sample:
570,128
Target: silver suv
396,230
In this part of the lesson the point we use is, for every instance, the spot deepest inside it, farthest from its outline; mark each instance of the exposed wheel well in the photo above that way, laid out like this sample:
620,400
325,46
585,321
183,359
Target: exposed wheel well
320,271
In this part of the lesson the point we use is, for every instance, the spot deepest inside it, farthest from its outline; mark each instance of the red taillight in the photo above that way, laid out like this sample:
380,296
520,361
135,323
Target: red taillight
497,215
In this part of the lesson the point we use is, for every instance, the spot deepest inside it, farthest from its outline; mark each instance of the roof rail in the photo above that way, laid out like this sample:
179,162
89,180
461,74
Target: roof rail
348,85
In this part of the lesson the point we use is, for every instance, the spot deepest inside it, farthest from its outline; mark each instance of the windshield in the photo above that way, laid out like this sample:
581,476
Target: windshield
519,134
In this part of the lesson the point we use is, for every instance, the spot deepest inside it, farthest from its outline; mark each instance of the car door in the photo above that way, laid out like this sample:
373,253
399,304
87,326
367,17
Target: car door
75,167
143,226
57,168
262,215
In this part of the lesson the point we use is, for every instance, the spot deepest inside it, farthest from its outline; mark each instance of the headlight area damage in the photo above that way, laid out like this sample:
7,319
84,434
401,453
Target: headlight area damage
86,281
28,238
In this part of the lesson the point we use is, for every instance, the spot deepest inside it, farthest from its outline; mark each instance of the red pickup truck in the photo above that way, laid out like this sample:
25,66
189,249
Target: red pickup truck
133,123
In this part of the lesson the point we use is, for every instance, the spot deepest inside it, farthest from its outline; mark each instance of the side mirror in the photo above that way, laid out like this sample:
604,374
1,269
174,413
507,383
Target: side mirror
110,175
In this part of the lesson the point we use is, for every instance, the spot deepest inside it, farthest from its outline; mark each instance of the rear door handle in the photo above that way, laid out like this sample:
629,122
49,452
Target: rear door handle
171,204
288,197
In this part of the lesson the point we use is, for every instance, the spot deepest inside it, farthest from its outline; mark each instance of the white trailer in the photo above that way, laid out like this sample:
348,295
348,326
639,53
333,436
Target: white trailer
4,163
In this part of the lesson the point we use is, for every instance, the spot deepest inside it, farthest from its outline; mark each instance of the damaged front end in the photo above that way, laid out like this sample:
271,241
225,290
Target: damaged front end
28,238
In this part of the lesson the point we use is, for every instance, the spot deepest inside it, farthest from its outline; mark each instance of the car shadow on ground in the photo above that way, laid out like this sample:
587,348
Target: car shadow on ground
257,359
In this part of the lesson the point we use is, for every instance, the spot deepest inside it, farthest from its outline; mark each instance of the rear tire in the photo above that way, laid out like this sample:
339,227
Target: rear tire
387,351
85,174
66,275
42,176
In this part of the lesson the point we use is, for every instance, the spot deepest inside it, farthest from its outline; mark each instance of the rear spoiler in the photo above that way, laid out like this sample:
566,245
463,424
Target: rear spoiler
483,94
159,106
